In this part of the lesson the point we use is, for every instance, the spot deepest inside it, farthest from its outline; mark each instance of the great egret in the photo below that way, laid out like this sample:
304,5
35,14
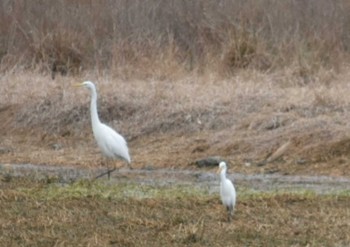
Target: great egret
227,190
111,143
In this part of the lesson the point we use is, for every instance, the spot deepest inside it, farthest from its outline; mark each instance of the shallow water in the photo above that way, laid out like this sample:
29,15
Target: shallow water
167,177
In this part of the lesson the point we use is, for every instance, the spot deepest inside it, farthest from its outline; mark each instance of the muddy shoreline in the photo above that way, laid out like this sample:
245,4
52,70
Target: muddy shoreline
206,180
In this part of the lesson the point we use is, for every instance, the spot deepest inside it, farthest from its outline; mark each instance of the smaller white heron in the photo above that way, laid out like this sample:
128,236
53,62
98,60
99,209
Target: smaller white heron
227,191
111,143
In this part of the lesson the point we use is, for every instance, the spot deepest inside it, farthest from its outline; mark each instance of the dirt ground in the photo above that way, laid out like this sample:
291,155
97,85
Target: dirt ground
257,125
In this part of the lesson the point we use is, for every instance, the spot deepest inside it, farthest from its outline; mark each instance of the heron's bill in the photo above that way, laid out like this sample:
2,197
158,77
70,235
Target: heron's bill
218,170
77,85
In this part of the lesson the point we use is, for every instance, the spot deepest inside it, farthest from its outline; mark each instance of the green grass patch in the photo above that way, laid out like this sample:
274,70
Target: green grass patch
106,190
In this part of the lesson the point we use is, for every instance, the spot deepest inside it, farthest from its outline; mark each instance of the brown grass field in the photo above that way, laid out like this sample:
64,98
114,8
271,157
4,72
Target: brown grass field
262,84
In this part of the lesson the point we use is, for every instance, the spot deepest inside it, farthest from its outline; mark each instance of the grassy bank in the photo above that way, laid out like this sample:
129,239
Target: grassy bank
173,123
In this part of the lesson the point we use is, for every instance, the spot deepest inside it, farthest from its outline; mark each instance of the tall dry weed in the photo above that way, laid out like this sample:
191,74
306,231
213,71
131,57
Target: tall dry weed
164,38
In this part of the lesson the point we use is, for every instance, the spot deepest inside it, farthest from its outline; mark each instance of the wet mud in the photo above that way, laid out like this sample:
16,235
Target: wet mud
206,180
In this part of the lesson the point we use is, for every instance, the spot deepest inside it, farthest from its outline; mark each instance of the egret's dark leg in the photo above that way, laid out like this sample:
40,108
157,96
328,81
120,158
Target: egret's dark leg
229,212
130,167
109,171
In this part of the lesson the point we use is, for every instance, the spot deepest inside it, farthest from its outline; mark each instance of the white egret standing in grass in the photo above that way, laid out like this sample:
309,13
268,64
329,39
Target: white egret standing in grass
227,190
111,143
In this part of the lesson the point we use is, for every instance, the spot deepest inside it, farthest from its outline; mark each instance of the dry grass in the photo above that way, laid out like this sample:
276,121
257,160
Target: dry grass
208,81
158,39
181,81
100,214
172,123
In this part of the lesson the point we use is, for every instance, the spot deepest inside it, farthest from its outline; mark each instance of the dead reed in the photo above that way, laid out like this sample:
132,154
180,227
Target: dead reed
159,39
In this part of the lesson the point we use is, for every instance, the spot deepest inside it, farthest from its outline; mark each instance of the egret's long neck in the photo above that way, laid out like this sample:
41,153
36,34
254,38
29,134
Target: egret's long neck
93,108
223,174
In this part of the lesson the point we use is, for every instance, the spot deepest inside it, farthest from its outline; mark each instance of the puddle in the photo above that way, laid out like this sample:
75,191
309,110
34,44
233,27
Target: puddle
208,181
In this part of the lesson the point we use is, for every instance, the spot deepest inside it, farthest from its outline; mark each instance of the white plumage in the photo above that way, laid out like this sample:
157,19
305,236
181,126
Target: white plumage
111,143
227,190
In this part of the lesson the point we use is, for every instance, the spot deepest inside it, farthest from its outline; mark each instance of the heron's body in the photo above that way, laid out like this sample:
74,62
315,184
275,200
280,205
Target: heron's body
227,191
111,143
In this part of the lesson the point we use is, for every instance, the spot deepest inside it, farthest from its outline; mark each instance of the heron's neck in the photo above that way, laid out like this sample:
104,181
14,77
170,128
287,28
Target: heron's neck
93,108
223,175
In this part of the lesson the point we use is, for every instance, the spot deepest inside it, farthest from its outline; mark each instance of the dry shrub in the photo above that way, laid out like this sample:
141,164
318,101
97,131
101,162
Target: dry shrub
157,38
58,52
242,51
147,59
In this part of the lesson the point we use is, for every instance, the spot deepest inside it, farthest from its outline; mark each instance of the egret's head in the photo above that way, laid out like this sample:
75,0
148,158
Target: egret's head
222,166
87,84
